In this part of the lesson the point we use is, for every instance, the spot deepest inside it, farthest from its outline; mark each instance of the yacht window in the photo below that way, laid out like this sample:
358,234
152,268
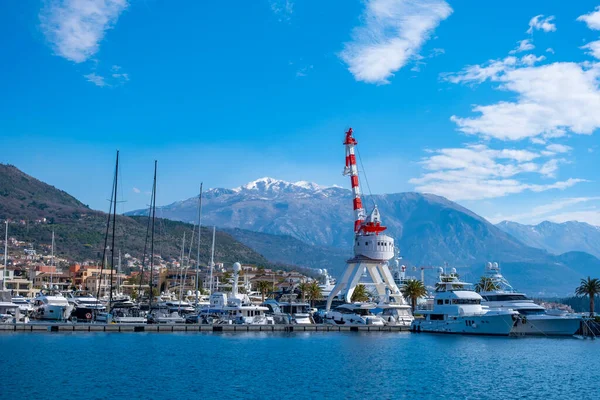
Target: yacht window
446,301
440,302
436,317
466,301
505,297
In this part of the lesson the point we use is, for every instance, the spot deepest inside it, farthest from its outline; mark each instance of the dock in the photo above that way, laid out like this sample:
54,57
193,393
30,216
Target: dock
191,328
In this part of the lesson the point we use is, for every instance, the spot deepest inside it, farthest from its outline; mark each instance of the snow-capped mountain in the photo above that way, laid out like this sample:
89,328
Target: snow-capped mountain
429,230
557,238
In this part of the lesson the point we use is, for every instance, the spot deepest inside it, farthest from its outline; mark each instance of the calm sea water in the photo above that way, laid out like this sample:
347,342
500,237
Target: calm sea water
295,365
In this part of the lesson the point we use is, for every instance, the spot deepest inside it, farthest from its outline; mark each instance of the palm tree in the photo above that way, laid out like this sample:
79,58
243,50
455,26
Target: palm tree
263,287
360,294
313,292
589,287
303,288
486,284
414,290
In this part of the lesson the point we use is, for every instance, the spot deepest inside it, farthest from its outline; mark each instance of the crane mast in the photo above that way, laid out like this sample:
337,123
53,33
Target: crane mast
352,170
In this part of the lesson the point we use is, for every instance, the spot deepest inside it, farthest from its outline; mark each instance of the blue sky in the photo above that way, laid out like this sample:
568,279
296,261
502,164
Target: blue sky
494,105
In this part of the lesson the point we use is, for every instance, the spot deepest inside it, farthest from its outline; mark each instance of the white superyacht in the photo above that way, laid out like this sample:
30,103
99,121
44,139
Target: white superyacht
458,310
534,319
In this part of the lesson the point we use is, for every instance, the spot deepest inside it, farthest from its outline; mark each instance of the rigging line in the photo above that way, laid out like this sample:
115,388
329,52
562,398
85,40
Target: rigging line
189,257
99,280
366,179
152,234
145,249
112,250
199,234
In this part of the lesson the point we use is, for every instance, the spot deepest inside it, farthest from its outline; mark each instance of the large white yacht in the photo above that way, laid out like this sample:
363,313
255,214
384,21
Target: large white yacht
458,310
534,319
354,314
51,305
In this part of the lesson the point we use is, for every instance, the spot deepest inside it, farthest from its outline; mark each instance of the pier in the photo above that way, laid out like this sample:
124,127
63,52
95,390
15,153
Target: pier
191,328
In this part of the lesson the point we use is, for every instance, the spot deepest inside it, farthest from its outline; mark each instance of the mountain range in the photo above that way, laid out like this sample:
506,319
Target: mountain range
556,238
429,230
272,221
80,230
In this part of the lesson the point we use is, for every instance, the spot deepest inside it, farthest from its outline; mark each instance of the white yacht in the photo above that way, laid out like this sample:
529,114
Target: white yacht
235,308
24,304
534,319
328,283
51,305
396,314
85,305
9,311
354,314
458,310
299,311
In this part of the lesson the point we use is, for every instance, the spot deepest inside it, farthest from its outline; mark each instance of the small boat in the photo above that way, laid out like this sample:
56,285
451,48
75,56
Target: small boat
299,311
85,305
396,314
50,304
354,314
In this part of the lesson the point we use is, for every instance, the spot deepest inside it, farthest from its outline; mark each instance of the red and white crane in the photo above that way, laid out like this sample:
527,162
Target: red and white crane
372,248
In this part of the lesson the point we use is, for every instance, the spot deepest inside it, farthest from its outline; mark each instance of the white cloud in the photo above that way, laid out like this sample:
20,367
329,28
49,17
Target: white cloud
112,79
592,217
544,212
550,50
477,172
136,190
558,148
75,28
392,34
540,23
302,72
524,45
549,168
96,79
592,19
283,9
551,99
594,49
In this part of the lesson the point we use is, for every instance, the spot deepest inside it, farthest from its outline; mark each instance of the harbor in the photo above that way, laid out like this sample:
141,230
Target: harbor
168,328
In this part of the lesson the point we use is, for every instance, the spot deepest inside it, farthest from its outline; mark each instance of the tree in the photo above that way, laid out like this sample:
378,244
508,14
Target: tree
486,284
303,289
360,294
414,290
263,287
589,287
314,292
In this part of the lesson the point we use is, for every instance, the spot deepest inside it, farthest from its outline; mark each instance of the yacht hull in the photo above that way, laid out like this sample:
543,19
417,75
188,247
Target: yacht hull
490,325
53,312
545,325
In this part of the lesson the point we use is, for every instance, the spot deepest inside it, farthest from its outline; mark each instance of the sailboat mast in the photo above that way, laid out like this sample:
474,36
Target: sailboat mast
119,274
181,271
153,204
5,256
212,261
112,246
52,261
105,248
199,233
